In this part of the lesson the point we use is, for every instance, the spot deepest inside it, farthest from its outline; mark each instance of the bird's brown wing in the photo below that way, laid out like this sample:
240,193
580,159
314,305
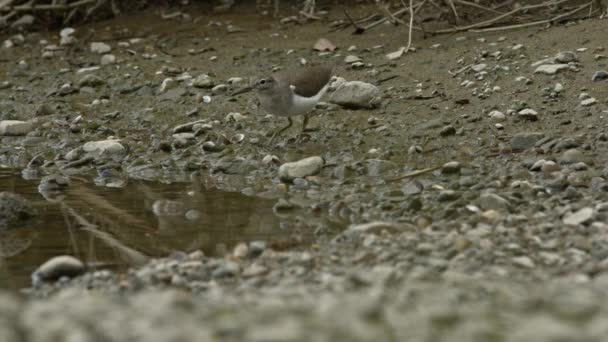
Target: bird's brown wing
307,82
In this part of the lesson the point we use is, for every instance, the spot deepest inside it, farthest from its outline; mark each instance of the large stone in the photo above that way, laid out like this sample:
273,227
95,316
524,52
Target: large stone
356,94
525,140
301,168
57,267
15,127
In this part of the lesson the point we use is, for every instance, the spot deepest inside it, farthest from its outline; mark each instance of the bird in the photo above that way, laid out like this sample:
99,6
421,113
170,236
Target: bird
291,92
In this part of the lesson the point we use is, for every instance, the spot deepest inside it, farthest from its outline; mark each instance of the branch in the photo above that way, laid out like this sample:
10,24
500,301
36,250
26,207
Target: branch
540,22
505,15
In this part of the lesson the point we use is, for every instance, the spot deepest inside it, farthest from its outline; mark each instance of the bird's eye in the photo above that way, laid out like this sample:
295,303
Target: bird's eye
262,82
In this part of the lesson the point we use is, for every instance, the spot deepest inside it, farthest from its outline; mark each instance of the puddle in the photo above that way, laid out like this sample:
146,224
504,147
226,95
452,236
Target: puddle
118,227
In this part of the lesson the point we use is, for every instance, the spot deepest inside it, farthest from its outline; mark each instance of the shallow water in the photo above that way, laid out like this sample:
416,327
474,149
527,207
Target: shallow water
117,227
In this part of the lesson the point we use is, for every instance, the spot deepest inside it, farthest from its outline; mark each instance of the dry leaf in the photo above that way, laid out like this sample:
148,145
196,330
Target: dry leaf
396,54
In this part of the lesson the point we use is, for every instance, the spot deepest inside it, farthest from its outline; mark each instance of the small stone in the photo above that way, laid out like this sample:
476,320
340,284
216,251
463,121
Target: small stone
256,248
447,131
479,67
496,115
100,48
414,149
300,169
588,102
356,94
599,75
90,80
558,88
572,156
528,114
15,127
13,209
375,227
108,59
219,89
448,195
550,69
203,81
523,261
324,44
566,57
450,167
549,166
58,267
104,147
351,59
493,201
579,217
240,251
226,269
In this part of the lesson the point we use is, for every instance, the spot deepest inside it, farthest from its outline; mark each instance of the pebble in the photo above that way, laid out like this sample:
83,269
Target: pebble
588,102
100,48
58,267
203,81
528,114
572,156
558,88
525,140
375,227
566,57
108,59
351,59
111,147
490,201
448,195
479,67
496,115
14,208
550,69
451,167
256,248
356,94
15,127
219,89
301,168
579,217
447,131
90,80
599,75
523,261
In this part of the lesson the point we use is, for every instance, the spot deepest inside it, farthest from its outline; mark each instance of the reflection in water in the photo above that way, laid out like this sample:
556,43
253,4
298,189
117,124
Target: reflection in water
110,227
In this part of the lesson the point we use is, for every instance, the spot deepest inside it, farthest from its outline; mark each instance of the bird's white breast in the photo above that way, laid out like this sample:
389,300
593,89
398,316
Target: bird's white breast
301,104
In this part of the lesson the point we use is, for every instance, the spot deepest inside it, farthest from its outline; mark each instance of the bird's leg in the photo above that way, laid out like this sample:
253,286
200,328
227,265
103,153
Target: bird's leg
282,129
304,123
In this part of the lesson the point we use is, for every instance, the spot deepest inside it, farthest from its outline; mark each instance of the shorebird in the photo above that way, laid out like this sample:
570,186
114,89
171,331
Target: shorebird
291,92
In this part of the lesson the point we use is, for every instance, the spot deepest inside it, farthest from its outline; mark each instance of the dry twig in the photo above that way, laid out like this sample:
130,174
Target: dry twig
540,22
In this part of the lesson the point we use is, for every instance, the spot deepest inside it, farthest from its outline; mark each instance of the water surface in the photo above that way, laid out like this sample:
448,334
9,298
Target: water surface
117,227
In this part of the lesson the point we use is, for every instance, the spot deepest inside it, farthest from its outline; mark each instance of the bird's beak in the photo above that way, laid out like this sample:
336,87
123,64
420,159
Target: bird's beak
242,90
